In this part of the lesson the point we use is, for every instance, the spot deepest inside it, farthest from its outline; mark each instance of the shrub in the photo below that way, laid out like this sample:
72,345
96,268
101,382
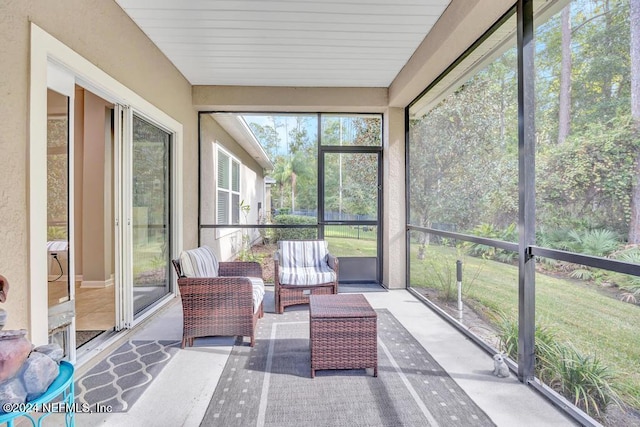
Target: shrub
584,380
509,234
295,233
557,238
597,242
545,340
508,336
627,282
483,251
249,255
441,273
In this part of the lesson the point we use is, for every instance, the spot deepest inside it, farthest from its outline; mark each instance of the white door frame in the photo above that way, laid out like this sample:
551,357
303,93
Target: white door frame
122,222
62,82
46,49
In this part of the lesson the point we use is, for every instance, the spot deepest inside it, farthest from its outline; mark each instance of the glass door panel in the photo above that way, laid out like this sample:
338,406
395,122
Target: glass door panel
60,269
351,213
352,240
58,198
351,187
351,129
150,214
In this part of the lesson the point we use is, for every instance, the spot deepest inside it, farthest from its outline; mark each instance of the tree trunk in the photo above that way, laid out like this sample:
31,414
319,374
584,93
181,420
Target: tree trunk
281,196
635,62
502,110
607,76
634,20
564,108
293,191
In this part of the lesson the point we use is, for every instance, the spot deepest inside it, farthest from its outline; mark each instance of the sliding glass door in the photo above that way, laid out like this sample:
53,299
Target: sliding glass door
150,213
104,164
61,283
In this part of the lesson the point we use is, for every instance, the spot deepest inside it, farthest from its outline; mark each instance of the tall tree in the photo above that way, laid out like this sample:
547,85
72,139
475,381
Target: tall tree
282,174
268,138
634,18
564,107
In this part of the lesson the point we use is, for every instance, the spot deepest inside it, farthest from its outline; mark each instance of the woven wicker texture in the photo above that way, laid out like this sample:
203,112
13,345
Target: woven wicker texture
219,306
343,333
287,294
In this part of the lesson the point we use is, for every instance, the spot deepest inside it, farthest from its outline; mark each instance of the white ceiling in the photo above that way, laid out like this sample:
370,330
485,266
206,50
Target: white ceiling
314,43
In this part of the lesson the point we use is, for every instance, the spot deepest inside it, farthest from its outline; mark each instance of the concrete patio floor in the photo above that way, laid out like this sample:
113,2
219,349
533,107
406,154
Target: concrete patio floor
179,396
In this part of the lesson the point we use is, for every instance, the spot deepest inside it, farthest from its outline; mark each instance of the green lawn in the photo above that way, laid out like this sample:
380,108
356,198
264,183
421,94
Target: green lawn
594,323
345,246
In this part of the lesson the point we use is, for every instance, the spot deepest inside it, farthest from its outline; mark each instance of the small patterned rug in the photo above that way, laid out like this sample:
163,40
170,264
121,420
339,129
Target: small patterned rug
121,378
270,384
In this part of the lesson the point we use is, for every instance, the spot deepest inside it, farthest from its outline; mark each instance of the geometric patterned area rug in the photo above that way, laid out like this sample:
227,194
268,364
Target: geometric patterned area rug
121,378
271,385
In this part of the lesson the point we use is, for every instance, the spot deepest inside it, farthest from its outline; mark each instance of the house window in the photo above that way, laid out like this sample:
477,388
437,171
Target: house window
228,188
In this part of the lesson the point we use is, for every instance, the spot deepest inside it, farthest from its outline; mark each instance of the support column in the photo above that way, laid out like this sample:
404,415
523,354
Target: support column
526,167
394,199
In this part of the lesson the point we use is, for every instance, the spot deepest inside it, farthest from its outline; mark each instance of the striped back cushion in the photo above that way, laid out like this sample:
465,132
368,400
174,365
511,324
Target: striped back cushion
200,262
303,253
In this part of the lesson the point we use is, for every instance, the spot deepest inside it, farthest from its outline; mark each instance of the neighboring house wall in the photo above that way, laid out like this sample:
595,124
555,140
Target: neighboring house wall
102,33
227,242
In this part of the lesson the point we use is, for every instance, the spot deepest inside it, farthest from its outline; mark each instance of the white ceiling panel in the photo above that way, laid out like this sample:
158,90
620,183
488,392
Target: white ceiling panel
362,43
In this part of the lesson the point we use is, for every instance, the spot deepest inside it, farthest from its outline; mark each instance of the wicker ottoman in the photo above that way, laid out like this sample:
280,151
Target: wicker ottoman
343,333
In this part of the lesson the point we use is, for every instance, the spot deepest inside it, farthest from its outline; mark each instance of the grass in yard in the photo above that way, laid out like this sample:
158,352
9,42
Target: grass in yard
344,246
595,323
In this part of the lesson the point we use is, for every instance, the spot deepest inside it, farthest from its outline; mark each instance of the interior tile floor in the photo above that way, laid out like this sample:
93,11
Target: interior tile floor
95,307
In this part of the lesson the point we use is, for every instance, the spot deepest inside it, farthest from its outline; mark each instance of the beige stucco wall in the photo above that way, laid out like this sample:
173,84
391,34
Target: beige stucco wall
461,24
394,240
290,99
102,33
226,243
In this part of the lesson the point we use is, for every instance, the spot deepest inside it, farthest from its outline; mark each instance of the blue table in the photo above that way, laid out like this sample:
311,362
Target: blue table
62,387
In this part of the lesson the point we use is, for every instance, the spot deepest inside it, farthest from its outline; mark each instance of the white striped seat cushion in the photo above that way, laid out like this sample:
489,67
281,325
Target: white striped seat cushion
303,253
200,262
306,275
258,292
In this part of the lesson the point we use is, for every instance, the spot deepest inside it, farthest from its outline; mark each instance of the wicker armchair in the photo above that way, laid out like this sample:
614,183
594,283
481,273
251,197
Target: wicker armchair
303,268
227,305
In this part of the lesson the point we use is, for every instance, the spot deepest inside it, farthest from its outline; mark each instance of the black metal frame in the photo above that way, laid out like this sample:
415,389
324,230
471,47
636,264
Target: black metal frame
527,197
325,149
526,248
322,149
500,244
